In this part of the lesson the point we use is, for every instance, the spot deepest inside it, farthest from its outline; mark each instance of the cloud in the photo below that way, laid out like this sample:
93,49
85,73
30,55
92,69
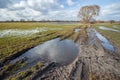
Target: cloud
110,11
70,2
18,6
44,5
28,13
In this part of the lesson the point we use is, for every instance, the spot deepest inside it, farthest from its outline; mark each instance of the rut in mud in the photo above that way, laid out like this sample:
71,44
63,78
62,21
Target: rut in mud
93,63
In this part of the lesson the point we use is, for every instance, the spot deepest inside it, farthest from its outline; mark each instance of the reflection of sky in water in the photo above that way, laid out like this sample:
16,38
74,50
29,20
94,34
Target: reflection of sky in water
21,33
106,44
92,33
110,29
77,30
63,52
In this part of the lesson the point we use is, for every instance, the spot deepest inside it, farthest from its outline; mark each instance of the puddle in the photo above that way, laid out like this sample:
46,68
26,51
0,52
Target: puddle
21,33
77,30
110,29
105,43
92,34
62,52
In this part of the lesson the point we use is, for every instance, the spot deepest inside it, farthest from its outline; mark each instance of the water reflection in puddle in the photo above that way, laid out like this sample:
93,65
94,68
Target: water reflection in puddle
92,33
63,52
21,33
110,29
105,43
77,30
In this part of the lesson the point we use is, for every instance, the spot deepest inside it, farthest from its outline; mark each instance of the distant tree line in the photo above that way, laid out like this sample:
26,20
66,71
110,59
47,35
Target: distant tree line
32,20
28,20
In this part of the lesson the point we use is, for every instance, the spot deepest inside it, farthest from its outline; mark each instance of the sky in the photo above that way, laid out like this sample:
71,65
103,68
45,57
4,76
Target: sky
56,9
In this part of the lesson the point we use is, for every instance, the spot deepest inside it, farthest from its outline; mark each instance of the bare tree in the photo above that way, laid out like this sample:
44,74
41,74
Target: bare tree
88,13
112,21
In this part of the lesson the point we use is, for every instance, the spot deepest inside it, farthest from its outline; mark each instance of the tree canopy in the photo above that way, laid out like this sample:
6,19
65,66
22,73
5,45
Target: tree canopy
88,13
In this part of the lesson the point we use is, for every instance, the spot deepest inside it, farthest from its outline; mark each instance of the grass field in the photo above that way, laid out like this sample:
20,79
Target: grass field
32,25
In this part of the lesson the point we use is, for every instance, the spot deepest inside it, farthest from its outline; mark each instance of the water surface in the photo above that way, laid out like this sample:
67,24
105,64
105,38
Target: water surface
106,44
77,30
63,52
21,33
110,29
92,34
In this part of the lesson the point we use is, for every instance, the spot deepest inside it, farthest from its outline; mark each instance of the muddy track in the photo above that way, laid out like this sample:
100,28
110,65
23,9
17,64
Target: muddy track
93,63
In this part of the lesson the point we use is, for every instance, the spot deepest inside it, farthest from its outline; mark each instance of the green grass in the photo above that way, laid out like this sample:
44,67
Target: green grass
32,25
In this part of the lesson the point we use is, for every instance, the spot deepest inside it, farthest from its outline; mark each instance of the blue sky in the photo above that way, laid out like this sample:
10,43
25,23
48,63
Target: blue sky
55,9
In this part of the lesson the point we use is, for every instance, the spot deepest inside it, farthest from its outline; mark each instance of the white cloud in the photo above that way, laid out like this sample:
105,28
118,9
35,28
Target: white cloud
28,13
21,4
44,5
110,11
18,6
7,15
70,2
